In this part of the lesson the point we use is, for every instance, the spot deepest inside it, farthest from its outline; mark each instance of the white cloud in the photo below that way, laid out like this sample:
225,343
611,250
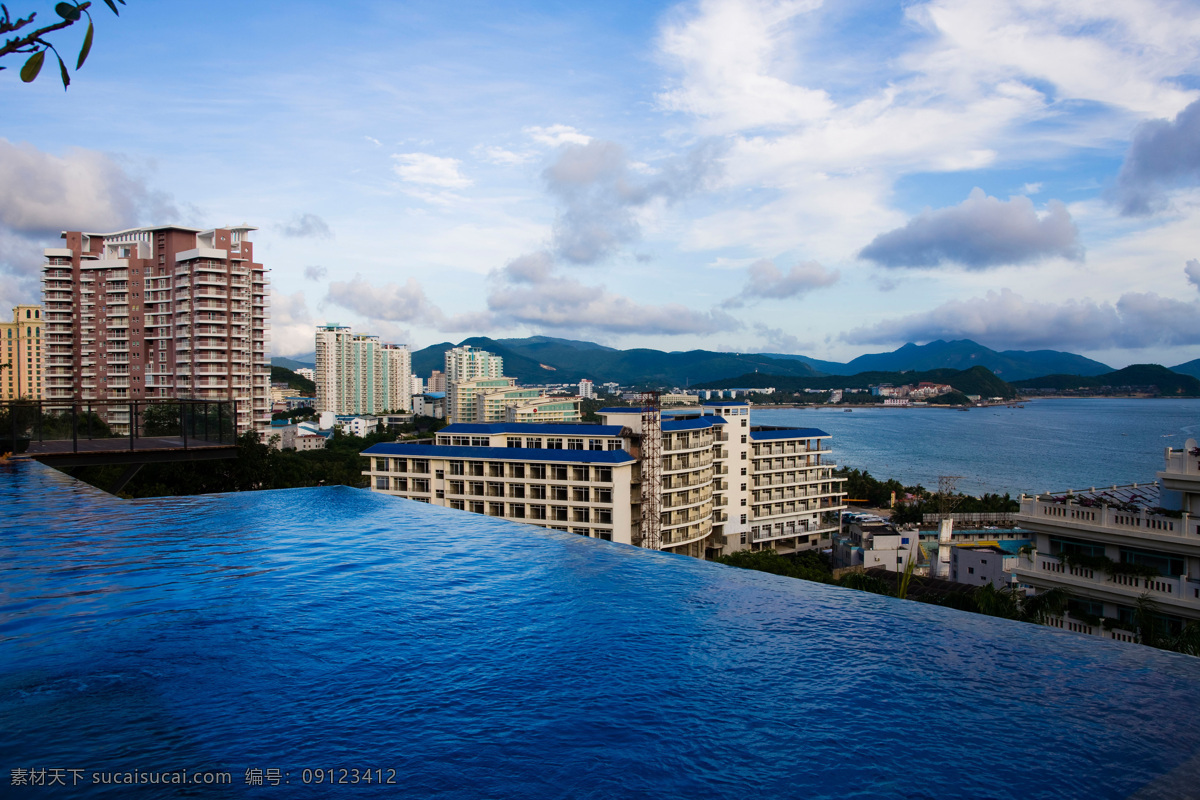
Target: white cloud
765,281
556,135
292,329
500,156
430,170
1192,270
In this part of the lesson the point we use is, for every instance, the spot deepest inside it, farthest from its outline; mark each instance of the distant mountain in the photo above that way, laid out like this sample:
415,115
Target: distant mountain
1011,365
308,360
976,380
1190,368
1169,383
542,359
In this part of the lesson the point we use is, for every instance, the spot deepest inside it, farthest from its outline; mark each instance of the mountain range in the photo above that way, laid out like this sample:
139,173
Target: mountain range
546,359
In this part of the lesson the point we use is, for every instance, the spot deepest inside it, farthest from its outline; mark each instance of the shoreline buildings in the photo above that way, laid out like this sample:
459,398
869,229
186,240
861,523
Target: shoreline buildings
1128,555
719,484
358,374
158,312
477,391
21,354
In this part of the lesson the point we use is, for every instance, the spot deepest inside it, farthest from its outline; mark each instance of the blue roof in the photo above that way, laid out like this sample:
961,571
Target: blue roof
725,403
436,395
709,421
498,453
787,433
544,428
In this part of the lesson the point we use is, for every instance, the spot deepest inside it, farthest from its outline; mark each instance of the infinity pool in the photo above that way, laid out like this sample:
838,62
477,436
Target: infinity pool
313,631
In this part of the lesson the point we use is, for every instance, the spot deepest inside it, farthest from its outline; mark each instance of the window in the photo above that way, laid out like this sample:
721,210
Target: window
439,474
743,468
475,468
480,441
580,494
615,444
558,472
495,489
743,519
743,425
514,441
441,494
516,470
579,473
604,515
381,465
581,515
595,444
534,442
381,482
516,490
458,504
743,459
605,535
537,472
970,570
495,469
476,507
456,468
475,488
574,444
603,475
558,493
537,492
400,484
537,512
743,501
604,495
743,438
743,535
495,509
516,510
420,466
743,487
558,513
554,443
420,484
456,487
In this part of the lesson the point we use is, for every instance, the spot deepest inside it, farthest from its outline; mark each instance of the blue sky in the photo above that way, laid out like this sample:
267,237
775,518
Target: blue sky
821,178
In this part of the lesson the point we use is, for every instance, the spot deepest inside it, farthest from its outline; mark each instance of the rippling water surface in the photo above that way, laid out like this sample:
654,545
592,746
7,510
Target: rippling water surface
1049,445
332,628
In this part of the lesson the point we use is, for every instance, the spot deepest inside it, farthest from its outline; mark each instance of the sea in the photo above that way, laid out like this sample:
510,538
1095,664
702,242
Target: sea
335,643
1044,445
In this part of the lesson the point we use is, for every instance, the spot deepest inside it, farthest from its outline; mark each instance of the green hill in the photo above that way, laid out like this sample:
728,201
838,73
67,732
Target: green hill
1134,378
976,380
301,384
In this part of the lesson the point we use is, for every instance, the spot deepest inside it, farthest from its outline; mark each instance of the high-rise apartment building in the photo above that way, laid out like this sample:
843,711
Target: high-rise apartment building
722,485
158,312
587,389
437,381
359,374
21,354
1128,555
469,363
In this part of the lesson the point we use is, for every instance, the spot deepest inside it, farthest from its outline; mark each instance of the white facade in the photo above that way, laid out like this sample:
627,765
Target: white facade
468,363
305,372
1112,547
724,485
587,390
358,374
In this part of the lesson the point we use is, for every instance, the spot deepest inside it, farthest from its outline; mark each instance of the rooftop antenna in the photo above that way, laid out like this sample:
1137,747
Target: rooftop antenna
651,465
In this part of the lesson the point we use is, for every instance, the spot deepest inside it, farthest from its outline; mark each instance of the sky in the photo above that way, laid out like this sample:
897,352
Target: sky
829,179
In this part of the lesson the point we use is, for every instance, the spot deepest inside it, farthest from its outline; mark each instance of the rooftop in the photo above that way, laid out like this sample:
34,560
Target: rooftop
499,453
544,428
762,434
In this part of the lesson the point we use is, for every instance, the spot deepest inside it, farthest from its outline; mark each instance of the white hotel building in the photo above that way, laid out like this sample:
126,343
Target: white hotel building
1112,547
725,485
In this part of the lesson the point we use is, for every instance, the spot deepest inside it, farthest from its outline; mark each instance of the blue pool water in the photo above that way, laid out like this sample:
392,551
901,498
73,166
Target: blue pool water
332,628
1049,445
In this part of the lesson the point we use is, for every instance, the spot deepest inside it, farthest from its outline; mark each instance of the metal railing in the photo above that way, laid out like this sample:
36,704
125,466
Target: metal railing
59,427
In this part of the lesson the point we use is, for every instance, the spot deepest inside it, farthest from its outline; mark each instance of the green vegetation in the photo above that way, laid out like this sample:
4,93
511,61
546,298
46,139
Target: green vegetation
864,486
976,380
955,398
33,40
298,382
1134,379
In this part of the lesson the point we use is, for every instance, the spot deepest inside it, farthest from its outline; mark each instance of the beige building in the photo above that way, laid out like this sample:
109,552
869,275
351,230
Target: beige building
1112,547
159,312
544,409
358,374
21,354
724,485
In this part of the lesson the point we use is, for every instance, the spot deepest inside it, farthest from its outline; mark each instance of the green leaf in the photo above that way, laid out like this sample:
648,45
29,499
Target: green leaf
62,68
113,6
33,66
68,11
87,46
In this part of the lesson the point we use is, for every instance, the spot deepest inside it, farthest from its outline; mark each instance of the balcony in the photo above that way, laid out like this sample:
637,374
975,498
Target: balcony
1108,524
1044,571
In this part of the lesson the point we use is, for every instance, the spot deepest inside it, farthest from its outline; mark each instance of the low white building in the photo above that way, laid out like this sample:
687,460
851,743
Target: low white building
982,563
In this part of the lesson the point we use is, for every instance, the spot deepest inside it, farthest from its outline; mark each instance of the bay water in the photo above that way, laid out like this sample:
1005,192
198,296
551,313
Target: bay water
1048,445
